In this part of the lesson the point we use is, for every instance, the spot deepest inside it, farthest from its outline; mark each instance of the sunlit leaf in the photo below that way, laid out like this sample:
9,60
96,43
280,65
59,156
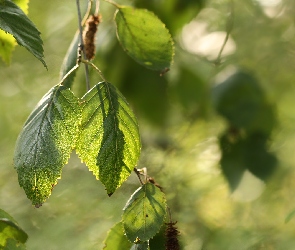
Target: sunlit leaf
144,213
185,11
23,4
145,38
7,41
45,143
10,230
14,21
109,140
116,240
70,61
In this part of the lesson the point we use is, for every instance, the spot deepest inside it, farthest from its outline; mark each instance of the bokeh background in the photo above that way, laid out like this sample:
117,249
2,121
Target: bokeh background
180,126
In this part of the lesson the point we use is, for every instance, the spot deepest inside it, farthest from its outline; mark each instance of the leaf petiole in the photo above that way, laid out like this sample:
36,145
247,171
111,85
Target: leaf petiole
70,72
138,175
95,67
113,3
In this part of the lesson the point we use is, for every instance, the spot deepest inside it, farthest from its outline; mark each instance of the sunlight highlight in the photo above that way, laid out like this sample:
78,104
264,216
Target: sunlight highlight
196,39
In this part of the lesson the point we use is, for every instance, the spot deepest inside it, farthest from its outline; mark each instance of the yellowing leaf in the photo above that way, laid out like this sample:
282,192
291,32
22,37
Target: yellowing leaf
45,143
7,44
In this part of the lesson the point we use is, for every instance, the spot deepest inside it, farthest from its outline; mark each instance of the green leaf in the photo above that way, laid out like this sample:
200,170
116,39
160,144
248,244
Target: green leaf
185,11
6,215
144,213
109,141
232,161
145,38
10,230
241,153
241,100
116,240
45,143
12,244
290,216
14,21
70,60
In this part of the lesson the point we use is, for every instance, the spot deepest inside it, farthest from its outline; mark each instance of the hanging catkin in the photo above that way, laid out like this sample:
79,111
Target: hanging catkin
89,35
171,235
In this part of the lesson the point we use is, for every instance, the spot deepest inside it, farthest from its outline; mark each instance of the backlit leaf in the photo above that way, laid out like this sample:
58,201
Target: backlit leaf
7,41
45,143
144,213
145,38
109,140
23,4
14,21
7,44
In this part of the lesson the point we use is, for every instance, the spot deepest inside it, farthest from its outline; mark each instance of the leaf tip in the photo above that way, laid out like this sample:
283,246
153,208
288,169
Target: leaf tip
38,205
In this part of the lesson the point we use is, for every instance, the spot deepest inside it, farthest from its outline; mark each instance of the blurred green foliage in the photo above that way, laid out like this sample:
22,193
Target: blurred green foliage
180,129
11,235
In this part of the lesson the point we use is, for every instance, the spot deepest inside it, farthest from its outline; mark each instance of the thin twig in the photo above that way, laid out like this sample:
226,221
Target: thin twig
138,175
96,7
69,72
81,42
229,27
113,3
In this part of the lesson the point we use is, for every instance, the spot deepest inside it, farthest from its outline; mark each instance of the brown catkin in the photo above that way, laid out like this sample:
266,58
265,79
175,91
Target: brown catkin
89,35
171,234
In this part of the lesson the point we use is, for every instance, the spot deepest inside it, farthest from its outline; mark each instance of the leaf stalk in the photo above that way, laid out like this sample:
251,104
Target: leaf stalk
95,67
82,45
